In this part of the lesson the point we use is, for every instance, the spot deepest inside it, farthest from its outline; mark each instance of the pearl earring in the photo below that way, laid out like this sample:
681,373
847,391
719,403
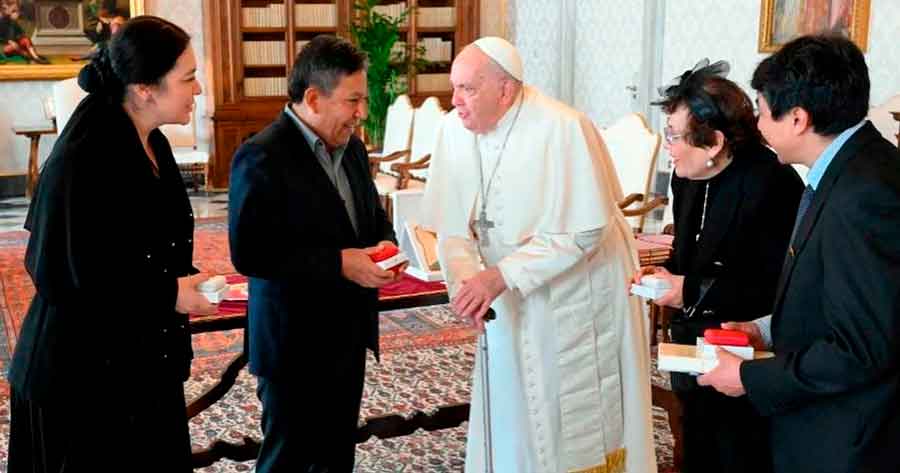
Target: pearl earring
710,163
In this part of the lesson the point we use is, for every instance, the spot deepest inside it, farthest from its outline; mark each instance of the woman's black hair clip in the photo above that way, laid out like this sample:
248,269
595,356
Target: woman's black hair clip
689,87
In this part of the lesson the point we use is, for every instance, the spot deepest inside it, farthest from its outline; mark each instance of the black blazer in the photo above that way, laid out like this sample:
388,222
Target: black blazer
105,268
287,227
752,205
833,389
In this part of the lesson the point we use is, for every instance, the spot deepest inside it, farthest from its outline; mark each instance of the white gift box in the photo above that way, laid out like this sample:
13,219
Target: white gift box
395,260
708,350
700,358
214,289
651,287
683,359
655,282
215,297
648,292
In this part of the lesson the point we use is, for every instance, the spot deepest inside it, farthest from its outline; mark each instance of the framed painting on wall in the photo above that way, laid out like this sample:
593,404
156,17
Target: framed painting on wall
783,20
51,39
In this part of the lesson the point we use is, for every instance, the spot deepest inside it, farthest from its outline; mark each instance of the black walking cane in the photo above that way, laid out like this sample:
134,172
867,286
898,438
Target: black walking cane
486,394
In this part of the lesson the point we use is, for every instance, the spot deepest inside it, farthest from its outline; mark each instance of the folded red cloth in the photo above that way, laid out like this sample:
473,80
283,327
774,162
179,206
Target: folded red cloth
405,287
717,336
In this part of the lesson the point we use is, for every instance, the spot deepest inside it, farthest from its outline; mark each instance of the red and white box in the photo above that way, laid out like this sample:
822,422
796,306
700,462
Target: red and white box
702,357
389,258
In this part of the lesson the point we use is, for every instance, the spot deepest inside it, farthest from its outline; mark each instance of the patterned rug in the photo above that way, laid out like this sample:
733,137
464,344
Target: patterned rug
427,363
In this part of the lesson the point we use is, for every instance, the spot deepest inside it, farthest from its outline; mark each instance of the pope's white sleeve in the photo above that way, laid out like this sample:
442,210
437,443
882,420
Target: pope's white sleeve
459,260
544,257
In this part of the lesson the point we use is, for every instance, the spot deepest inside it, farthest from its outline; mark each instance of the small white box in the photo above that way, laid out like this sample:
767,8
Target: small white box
655,282
648,292
708,350
683,359
212,284
395,260
695,359
213,289
215,297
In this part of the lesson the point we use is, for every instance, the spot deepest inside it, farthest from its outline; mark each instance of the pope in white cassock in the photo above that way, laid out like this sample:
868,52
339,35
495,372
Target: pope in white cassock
523,196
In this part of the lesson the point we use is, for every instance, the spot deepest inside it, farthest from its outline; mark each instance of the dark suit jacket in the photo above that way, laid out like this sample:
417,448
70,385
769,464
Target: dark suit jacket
105,268
752,205
287,227
833,389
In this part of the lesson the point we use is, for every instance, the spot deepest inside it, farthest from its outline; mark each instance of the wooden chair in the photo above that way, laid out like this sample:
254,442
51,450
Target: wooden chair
633,148
66,96
428,119
397,136
396,146
882,117
191,161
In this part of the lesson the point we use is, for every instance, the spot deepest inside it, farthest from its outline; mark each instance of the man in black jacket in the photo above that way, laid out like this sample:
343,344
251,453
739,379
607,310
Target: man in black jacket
833,387
304,216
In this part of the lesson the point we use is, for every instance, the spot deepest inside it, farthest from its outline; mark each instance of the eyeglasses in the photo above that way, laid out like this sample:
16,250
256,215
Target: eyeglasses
670,135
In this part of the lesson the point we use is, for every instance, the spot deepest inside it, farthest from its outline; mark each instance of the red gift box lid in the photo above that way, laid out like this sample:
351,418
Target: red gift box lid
384,253
734,338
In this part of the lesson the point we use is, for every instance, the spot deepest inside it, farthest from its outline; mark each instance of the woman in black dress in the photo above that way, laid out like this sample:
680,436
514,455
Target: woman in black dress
97,374
734,206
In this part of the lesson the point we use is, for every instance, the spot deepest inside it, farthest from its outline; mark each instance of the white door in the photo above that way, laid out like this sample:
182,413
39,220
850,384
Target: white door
608,57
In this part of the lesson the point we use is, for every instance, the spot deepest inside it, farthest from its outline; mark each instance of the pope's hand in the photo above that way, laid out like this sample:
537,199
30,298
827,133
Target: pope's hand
476,294
726,376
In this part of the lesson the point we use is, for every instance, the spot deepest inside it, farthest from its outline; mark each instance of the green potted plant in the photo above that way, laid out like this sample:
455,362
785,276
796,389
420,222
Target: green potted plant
376,34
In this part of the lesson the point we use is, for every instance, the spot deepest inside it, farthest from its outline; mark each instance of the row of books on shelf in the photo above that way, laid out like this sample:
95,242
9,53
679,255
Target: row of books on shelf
265,86
277,86
264,52
431,82
426,17
393,10
324,15
436,17
315,15
436,49
437,82
271,16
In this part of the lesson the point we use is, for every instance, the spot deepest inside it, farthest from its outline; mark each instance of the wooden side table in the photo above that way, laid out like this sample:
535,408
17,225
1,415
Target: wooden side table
897,117
34,133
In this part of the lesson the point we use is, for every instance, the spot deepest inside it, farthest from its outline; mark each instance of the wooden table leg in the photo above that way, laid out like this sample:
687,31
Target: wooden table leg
32,165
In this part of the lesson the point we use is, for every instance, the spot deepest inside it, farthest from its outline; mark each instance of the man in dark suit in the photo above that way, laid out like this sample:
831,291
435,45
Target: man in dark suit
833,387
304,216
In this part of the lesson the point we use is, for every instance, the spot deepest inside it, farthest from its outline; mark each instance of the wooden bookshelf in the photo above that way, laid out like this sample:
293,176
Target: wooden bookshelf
249,92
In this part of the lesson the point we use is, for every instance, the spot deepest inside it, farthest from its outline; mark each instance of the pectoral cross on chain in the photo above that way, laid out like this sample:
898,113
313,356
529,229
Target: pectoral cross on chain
483,225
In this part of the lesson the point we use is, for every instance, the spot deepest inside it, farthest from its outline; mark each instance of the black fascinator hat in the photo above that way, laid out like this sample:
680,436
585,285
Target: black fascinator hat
688,88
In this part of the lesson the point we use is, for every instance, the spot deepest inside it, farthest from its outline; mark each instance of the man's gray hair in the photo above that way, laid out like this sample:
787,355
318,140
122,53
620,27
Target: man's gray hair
322,63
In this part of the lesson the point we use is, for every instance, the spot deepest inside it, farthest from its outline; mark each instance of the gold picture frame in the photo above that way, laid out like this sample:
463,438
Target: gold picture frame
16,71
782,20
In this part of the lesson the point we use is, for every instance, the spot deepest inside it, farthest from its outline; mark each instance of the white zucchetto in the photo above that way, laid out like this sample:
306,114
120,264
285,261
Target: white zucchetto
503,53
